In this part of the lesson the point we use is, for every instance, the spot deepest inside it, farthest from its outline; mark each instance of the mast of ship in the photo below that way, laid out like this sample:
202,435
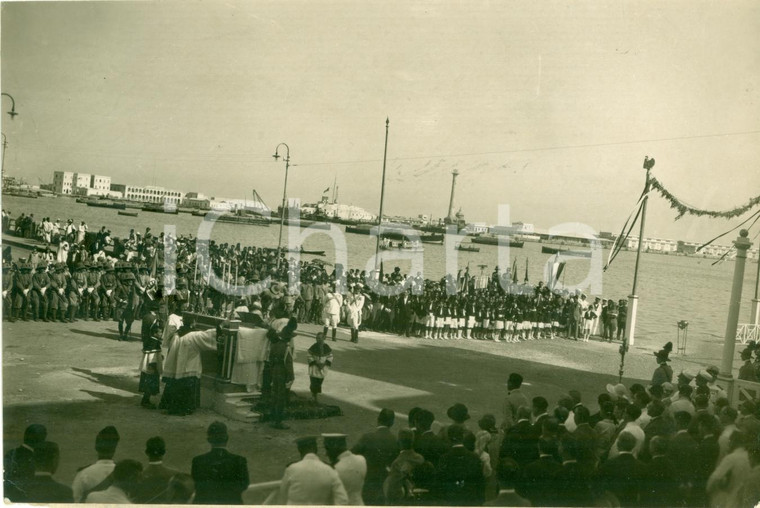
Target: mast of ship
382,196
335,181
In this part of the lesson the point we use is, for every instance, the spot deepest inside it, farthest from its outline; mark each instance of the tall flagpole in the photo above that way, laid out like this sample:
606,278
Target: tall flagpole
382,196
633,299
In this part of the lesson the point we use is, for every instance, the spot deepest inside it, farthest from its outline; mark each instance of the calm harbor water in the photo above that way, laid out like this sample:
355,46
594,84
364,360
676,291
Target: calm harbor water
671,288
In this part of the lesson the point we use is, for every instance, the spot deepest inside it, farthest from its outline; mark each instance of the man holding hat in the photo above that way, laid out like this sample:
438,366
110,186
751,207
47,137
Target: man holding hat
351,468
310,481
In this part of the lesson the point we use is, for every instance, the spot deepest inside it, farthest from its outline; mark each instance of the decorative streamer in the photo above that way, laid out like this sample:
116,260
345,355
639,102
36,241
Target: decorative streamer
621,239
684,209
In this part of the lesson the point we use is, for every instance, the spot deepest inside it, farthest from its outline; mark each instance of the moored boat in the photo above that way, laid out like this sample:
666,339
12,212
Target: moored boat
468,248
106,204
494,240
160,208
565,252
127,214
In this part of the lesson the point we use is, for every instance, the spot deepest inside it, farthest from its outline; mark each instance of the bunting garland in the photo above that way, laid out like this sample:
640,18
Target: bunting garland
684,209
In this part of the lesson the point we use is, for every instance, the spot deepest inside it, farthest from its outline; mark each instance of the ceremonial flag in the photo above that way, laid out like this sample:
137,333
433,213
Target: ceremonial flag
381,271
526,271
514,272
324,191
560,268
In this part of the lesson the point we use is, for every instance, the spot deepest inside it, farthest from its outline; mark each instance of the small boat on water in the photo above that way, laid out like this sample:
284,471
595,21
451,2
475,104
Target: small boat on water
432,238
304,251
127,214
21,193
104,203
494,240
468,248
200,213
160,208
404,245
565,252
359,230
251,220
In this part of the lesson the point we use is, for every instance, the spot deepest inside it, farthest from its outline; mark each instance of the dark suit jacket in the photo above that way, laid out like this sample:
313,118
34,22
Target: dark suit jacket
460,478
154,481
659,426
520,443
539,482
659,487
574,485
220,477
44,489
682,452
431,447
18,467
586,439
622,476
380,449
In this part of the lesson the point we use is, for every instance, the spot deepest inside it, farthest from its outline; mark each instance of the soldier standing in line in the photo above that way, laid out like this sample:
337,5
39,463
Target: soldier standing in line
92,299
58,302
77,286
8,278
40,285
23,287
108,284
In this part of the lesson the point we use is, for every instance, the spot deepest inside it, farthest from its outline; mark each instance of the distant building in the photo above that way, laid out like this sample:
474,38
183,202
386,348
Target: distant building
196,200
80,184
338,211
652,244
476,228
119,188
152,194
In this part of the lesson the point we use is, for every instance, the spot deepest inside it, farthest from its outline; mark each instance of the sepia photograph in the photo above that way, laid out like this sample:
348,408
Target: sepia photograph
334,252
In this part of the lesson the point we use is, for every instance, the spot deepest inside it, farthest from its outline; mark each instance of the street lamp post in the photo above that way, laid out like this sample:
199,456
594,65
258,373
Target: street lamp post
12,112
284,194
382,198
755,319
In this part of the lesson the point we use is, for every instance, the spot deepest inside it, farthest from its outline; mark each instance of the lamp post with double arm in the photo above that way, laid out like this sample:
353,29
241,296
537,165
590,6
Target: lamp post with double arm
284,194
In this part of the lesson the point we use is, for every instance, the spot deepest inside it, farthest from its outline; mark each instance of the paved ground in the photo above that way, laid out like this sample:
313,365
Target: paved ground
76,378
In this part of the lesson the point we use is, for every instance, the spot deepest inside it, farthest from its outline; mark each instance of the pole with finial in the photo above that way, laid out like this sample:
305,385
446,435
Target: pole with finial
382,197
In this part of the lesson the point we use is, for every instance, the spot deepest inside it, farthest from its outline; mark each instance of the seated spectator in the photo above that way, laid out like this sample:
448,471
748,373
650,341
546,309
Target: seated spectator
155,476
90,477
18,463
397,487
220,476
507,473
126,476
42,488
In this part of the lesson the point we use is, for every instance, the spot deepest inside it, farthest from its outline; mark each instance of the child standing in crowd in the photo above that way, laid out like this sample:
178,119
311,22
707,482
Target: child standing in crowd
320,358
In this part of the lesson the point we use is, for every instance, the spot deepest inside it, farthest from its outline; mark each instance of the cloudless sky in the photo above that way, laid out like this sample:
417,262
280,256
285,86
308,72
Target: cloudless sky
549,107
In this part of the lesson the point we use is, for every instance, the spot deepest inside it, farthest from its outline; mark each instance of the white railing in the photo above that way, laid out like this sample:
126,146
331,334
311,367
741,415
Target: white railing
747,333
261,493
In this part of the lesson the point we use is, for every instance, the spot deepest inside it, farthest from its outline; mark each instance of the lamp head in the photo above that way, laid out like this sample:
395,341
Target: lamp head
12,113
276,155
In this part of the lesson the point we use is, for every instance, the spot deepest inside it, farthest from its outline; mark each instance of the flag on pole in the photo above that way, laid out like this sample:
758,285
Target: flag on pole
514,272
381,270
526,271
326,190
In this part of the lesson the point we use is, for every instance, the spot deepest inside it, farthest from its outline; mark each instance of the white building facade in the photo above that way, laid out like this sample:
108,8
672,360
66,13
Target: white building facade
152,194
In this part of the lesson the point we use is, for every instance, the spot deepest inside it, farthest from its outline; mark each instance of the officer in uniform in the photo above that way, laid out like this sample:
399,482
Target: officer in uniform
108,285
58,302
77,286
23,287
126,303
8,278
40,286
92,299
142,281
